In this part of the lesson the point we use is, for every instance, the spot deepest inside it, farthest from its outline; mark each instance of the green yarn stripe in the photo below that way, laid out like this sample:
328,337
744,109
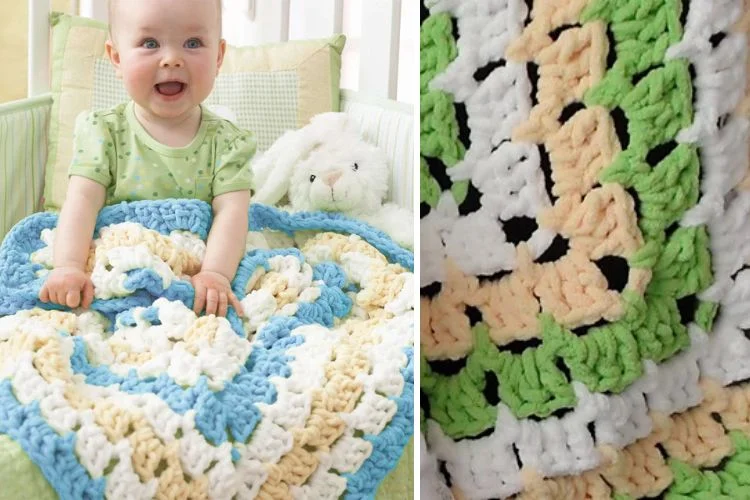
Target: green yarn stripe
657,109
437,48
664,192
608,358
438,124
729,481
643,30
429,187
457,403
684,265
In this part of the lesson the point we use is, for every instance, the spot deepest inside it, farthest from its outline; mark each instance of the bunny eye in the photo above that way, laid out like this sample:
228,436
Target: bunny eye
312,178
355,167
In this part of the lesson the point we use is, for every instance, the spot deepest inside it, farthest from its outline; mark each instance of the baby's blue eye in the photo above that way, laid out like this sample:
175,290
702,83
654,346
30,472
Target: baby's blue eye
193,43
150,43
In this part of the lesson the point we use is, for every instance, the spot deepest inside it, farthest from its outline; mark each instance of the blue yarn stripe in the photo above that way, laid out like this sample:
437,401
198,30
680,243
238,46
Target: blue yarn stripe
163,216
54,454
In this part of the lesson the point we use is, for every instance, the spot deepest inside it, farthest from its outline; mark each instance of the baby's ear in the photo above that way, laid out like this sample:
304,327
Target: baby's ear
220,58
114,56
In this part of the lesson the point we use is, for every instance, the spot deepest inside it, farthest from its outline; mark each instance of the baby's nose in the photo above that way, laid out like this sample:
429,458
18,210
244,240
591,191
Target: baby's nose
171,61
332,177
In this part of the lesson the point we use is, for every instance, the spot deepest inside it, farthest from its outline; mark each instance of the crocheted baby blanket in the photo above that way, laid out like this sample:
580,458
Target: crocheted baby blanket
309,395
585,270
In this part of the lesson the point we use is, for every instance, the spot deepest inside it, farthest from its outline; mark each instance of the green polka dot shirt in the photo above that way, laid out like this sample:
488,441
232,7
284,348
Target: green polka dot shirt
113,149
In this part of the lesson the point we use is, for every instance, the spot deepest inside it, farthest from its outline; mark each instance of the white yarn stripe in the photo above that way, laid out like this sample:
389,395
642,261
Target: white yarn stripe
717,85
507,175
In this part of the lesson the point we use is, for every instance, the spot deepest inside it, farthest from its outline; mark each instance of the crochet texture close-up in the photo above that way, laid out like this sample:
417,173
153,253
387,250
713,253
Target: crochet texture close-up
585,248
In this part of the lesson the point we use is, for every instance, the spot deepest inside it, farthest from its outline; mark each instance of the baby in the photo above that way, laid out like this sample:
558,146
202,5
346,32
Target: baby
161,144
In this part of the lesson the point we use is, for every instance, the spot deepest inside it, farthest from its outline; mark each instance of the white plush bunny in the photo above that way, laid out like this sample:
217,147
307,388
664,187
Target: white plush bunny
327,165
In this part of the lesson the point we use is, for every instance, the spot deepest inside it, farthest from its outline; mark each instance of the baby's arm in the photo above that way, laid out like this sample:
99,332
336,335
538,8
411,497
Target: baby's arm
224,250
68,284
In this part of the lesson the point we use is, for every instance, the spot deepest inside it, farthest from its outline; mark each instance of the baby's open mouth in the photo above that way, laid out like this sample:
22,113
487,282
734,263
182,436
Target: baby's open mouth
170,88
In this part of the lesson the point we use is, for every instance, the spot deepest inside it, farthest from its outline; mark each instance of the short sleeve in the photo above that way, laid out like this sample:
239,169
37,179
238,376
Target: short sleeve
92,149
232,172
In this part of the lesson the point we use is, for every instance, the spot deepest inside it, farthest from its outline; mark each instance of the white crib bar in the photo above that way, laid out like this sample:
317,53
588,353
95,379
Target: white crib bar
323,18
274,26
95,9
38,51
381,31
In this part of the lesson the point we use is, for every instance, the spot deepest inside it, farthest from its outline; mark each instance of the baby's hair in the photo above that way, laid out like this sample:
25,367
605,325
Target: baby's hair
111,12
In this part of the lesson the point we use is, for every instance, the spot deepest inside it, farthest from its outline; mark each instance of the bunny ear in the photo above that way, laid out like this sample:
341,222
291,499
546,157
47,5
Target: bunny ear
261,167
272,172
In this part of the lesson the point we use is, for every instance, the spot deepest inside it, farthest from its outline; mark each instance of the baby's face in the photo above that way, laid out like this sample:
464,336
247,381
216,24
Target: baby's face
167,52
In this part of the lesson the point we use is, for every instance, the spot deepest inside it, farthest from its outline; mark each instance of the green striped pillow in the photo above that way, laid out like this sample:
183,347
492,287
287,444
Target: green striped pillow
23,152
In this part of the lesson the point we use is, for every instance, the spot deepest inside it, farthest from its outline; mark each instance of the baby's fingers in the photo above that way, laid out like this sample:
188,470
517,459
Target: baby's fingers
88,294
44,293
59,295
200,298
223,303
212,301
236,304
73,298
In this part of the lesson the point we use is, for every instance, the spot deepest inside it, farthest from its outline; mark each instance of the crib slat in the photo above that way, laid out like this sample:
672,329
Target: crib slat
38,50
272,20
322,18
378,69
96,9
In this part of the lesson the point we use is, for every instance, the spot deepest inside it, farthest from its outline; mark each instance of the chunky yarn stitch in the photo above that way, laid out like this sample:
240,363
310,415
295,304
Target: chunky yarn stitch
309,395
583,309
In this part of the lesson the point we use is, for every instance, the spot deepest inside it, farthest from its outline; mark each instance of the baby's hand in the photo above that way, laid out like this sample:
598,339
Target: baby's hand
68,286
214,291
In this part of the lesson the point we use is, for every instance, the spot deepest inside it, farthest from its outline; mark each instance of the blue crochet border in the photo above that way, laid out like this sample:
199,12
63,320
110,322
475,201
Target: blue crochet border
54,454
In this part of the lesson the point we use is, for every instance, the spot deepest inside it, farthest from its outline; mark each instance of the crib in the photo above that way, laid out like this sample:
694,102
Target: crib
370,100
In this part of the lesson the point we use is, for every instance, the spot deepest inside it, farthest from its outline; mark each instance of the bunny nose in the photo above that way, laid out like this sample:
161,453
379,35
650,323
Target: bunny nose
331,178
